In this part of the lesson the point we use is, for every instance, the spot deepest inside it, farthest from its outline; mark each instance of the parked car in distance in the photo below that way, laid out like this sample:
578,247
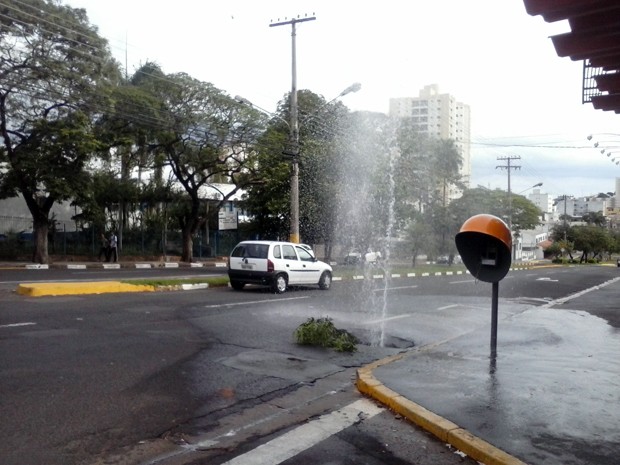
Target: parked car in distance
276,264
372,258
352,258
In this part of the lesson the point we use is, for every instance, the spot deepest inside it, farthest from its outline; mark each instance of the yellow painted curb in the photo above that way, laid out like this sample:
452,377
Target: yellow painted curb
443,429
97,287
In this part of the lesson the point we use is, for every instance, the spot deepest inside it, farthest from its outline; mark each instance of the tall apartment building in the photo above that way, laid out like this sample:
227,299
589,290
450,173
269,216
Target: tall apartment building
541,200
442,116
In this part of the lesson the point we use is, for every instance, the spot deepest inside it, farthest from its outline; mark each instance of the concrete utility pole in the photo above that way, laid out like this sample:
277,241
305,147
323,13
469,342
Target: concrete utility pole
509,166
293,149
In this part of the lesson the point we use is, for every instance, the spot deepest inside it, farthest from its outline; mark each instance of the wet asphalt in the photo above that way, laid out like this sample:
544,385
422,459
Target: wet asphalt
551,396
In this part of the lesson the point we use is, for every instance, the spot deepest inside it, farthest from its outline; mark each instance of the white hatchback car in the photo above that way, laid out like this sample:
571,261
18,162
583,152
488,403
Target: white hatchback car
276,264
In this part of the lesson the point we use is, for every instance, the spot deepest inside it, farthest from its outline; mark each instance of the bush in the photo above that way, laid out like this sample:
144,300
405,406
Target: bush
322,332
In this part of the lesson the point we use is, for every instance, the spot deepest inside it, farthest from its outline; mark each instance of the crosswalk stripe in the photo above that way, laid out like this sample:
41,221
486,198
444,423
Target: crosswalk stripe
304,437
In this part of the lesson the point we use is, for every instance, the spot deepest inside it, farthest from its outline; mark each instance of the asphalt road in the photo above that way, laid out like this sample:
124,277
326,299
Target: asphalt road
84,377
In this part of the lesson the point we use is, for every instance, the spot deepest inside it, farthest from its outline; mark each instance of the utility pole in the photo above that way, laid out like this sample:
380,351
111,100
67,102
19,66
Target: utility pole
293,149
565,218
509,166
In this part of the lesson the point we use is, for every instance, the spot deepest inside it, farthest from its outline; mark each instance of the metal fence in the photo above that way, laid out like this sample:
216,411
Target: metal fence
68,239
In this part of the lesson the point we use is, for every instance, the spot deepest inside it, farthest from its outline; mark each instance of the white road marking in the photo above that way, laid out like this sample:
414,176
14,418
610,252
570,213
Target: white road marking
548,279
304,437
448,306
462,282
13,325
381,320
562,300
395,288
255,302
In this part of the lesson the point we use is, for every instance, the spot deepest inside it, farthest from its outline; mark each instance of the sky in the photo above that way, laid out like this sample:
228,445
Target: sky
525,100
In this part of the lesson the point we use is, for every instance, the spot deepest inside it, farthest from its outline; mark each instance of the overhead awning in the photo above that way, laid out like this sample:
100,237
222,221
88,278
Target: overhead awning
594,38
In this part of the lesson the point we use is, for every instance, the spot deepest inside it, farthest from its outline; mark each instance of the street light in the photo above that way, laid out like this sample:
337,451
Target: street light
535,185
292,149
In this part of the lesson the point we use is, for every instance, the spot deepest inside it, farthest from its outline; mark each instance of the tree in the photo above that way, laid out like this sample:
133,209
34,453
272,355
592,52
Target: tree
523,214
426,170
207,137
595,219
419,237
590,240
321,128
54,79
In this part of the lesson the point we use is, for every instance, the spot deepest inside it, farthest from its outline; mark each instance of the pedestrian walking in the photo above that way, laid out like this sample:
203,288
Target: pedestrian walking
113,243
104,249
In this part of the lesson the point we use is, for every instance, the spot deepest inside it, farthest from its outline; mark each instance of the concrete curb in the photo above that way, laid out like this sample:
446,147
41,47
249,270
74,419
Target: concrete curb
97,287
106,265
444,429
93,287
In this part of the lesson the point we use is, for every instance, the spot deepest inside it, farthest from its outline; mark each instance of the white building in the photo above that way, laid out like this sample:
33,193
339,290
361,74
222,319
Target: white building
441,116
542,200
529,244
15,216
577,207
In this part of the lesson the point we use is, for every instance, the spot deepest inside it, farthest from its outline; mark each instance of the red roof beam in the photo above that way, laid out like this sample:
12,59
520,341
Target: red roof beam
582,46
608,83
607,62
607,102
605,21
556,10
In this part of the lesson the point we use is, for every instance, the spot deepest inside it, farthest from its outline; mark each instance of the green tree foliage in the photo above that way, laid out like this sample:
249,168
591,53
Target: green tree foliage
206,137
591,240
321,127
595,218
426,170
419,237
55,77
523,214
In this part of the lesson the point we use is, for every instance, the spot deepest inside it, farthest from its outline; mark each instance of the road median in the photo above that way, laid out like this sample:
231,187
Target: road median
98,287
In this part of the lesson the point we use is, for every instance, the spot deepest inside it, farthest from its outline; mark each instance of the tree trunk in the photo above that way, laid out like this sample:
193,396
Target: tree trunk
188,245
40,254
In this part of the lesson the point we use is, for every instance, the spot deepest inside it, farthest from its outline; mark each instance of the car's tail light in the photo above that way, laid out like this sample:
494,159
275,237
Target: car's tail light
270,266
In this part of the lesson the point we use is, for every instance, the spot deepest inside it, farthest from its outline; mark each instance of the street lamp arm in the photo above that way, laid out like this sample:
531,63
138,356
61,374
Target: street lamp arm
351,89
355,87
535,185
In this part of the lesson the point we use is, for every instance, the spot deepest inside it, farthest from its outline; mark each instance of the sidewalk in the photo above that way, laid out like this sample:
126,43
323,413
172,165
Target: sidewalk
551,396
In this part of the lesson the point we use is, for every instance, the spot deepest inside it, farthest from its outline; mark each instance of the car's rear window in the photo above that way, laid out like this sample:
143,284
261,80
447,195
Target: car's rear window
251,251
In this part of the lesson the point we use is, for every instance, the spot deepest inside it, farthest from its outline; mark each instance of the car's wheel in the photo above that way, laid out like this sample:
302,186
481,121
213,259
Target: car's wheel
236,285
280,283
325,281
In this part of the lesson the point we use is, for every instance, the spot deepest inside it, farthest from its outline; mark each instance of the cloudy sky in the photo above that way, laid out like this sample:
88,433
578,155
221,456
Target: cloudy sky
525,100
